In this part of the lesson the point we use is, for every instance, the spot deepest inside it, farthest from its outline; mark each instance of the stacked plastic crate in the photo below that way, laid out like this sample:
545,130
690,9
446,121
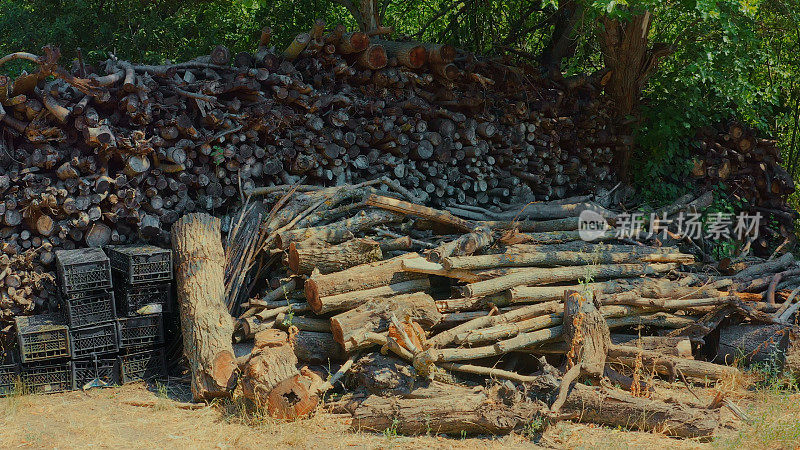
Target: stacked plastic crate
44,349
89,308
143,283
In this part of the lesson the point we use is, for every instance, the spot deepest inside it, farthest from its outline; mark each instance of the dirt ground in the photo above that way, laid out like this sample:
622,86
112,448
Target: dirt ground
108,418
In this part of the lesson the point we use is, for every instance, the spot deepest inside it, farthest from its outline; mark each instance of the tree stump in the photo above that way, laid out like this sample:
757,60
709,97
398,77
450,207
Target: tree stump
588,339
206,325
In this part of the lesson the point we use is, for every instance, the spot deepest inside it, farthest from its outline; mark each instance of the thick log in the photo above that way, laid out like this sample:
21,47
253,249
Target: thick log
752,343
467,244
561,274
444,409
409,54
349,328
271,361
296,46
373,57
759,270
206,326
352,299
365,276
352,43
316,347
333,259
616,408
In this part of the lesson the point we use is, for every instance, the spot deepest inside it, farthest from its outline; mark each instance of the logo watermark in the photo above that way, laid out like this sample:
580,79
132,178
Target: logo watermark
716,226
591,225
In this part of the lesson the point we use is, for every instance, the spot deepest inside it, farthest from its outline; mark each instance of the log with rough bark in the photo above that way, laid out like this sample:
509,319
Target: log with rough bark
365,276
352,299
316,347
615,408
545,259
271,361
206,325
561,274
587,337
350,328
445,409
424,212
335,258
337,232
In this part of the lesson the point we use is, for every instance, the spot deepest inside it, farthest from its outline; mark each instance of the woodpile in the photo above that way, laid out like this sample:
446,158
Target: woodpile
115,152
749,167
423,325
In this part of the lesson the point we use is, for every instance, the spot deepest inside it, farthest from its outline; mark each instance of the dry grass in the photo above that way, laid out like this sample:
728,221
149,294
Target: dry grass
100,418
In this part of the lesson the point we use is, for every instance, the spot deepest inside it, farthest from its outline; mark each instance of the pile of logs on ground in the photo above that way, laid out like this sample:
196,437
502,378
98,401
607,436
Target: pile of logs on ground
733,155
452,325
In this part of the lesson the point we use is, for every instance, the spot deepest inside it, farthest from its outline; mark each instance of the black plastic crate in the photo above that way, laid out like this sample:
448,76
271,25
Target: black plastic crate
88,308
85,371
46,378
141,331
83,269
131,298
96,340
136,264
9,375
142,366
42,337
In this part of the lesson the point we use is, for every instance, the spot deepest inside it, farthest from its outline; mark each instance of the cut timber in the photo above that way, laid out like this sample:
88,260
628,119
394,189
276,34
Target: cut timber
365,276
373,58
561,274
617,408
352,299
296,46
206,324
760,270
333,259
550,259
467,244
670,365
316,347
271,361
422,265
440,53
424,212
673,346
444,409
352,43
587,337
349,328
409,54
340,231
752,343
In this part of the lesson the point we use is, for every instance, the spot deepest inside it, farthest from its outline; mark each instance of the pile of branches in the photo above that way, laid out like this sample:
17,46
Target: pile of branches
422,307
749,167
108,154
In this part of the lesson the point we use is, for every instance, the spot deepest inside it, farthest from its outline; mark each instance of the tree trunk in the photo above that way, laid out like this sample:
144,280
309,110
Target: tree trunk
316,347
207,327
333,259
616,408
631,62
444,409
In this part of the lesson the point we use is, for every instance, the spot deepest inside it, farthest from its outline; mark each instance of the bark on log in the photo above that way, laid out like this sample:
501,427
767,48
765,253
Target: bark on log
365,276
553,259
352,299
467,244
445,409
561,274
316,347
588,339
206,325
271,361
333,259
337,232
424,212
349,328
752,343
616,408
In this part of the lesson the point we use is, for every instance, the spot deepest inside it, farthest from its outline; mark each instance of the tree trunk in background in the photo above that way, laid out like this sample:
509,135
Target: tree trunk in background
631,61
366,12
563,41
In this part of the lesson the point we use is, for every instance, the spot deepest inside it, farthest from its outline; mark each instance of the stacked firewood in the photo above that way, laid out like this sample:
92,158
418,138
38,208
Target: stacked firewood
108,154
749,167
350,270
